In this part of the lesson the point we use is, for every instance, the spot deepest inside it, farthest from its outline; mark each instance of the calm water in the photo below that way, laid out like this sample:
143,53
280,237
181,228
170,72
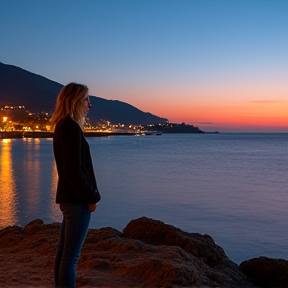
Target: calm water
232,187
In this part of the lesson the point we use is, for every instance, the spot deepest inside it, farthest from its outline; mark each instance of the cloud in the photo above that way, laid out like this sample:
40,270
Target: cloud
265,101
205,123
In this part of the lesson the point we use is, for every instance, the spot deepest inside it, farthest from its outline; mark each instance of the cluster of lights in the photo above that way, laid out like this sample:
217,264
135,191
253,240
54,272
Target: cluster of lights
13,107
103,126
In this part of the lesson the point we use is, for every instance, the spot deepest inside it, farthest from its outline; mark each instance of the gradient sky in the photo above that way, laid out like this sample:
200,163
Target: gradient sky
217,64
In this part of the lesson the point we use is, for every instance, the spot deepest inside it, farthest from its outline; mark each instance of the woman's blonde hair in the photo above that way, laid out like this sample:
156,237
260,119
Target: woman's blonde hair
68,103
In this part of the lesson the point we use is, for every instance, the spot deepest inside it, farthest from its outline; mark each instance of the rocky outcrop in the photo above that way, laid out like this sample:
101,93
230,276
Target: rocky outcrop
202,261
267,272
148,253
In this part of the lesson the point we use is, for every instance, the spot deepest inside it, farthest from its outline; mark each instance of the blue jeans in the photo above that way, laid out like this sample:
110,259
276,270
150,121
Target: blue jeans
76,218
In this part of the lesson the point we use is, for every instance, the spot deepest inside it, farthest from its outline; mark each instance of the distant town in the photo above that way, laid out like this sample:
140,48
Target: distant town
18,119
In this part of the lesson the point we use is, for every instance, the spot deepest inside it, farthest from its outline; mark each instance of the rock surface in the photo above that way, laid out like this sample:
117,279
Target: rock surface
267,272
148,253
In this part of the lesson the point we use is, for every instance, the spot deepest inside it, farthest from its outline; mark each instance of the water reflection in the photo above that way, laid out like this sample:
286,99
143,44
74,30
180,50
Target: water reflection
8,205
28,182
31,166
194,169
55,213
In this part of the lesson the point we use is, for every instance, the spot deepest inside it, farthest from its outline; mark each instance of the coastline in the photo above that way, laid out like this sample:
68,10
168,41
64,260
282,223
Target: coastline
42,134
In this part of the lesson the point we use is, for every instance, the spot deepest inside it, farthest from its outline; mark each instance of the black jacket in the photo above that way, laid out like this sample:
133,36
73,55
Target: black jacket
76,178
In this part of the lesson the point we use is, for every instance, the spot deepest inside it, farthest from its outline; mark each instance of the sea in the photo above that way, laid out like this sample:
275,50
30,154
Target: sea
233,187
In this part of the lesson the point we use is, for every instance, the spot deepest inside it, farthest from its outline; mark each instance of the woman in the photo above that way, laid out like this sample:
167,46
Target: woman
77,191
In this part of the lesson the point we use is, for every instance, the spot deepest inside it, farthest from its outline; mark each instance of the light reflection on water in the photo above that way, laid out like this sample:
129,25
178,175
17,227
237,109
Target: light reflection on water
31,166
8,199
28,182
54,214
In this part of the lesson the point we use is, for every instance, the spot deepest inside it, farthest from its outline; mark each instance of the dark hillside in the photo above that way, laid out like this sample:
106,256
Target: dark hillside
37,93
21,87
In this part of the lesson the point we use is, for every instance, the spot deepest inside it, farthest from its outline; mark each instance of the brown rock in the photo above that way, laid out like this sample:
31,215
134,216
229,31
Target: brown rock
33,227
158,233
266,272
110,258
204,261
10,236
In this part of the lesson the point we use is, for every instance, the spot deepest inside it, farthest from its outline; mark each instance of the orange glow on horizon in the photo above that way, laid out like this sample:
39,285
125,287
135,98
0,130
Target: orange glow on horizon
255,103
248,114
236,103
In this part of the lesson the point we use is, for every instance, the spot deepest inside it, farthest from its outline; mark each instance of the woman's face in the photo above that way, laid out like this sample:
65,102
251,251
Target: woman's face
86,104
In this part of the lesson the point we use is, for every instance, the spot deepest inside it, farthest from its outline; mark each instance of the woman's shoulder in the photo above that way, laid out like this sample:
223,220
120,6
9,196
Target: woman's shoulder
67,123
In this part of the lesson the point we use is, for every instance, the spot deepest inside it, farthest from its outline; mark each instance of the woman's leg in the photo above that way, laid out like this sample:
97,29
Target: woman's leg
59,253
77,218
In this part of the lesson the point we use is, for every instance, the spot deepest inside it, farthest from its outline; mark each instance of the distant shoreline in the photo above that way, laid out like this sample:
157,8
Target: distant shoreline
42,134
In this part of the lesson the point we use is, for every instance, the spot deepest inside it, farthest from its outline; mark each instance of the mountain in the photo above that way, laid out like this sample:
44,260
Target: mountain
37,93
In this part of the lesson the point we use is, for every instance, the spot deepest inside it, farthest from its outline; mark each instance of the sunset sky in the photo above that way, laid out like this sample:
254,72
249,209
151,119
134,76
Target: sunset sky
217,64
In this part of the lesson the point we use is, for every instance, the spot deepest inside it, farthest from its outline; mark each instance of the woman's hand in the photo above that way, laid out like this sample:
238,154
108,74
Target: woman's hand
92,207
